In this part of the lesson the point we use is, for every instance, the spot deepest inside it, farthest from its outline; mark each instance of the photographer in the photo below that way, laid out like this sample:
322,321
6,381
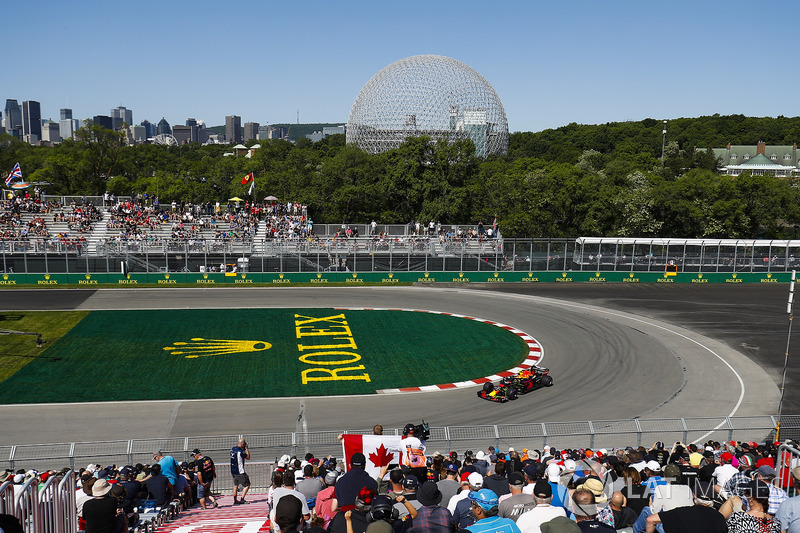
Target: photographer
239,454
413,450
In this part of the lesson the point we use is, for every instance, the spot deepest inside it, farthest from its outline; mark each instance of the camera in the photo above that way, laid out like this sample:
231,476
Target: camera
422,431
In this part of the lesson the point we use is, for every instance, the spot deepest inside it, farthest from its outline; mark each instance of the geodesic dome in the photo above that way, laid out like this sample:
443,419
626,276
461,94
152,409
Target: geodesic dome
428,95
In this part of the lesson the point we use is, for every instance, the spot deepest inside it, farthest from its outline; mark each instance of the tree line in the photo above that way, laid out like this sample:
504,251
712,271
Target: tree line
578,180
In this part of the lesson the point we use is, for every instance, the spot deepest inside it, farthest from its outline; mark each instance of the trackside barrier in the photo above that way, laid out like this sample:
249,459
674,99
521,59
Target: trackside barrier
788,458
266,448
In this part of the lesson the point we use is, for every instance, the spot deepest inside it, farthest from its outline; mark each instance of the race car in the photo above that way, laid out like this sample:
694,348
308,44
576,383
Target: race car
511,387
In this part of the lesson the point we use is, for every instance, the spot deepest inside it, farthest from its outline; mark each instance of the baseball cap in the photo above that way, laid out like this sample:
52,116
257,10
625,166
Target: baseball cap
196,452
516,479
358,459
727,457
288,511
766,471
672,471
465,476
531,471
485,498
410,483
475,479
653,465
542,489
451,467
365,496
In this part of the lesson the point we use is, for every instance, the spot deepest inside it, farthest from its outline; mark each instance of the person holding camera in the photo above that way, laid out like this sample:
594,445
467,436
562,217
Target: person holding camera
413,453
239,454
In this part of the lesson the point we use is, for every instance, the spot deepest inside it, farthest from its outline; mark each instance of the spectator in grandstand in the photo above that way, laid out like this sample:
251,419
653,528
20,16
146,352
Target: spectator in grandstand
585,508
158,486
513,504
449,485
698,518
239,454
206,472
622,516
481,465
484,508
462,510
789,511
277,482
326,505
83,495
349,485
723,472
358,521
131,499
100,512
497,482
410,486
169,466
531,520
310,485
672,494
777,495
431,518
636,495
753,515
288,488
289,514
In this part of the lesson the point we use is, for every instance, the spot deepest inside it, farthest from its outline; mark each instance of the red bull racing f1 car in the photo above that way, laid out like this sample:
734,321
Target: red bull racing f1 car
511,387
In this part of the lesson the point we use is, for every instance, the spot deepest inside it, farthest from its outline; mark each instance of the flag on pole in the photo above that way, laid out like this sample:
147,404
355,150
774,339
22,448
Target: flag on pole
252,186
247,179
379,450
16,172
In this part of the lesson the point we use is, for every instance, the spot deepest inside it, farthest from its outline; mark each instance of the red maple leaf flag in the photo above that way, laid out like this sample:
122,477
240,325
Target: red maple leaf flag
379,450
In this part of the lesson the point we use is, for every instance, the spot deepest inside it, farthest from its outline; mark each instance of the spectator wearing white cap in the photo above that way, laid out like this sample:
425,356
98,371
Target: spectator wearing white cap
462,511
654,477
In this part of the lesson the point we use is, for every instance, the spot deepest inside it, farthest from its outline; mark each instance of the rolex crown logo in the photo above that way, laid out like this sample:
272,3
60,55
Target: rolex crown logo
355,275
563,274
699,275
734,275
530,274
166,276
427,274
460,274
496,274
244,276
391,274
630,275
47,276
127,276
199,347
5,276
769,275
319,275
88,276
205,276
280,276
597,274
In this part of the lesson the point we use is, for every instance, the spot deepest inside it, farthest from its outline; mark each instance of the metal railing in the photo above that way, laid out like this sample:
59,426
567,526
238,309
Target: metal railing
265,448
49,509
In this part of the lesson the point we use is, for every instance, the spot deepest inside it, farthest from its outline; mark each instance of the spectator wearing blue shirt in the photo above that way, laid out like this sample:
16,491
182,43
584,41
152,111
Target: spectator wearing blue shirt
485,507
169,466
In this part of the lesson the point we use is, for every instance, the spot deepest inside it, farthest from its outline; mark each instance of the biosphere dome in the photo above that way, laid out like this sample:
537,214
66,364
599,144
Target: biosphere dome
428,95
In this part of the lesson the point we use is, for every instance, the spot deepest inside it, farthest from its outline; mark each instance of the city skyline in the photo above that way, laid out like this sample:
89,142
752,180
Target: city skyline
550,63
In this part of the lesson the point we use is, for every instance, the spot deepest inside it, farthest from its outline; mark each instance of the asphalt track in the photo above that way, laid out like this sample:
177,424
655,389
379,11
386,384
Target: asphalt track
615,352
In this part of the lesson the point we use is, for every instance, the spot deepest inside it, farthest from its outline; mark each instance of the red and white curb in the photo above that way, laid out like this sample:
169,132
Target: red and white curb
535,353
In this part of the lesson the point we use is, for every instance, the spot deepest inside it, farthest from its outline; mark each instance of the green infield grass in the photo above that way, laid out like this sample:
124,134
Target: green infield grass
245,353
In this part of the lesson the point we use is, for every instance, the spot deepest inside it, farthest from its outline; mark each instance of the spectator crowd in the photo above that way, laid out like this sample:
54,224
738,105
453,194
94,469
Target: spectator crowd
715,487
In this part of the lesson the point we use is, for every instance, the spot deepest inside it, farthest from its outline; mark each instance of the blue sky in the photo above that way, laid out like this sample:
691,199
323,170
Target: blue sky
551,63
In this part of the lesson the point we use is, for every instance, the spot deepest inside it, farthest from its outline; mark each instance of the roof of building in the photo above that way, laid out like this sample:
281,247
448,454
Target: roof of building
240,147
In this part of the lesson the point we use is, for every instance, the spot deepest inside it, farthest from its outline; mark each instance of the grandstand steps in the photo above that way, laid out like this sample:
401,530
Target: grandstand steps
227,518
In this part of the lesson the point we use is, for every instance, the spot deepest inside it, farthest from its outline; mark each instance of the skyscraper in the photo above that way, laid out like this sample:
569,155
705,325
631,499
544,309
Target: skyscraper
13,119
233,129
251,131
149,129
104,121
31,121
163,127
66,113
121,115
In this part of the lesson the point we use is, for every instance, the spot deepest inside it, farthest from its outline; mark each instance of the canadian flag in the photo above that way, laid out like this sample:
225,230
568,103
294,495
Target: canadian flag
380,450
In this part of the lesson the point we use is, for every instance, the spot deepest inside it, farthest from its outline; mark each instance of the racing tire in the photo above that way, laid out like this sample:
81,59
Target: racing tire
488,387
547,381
512,395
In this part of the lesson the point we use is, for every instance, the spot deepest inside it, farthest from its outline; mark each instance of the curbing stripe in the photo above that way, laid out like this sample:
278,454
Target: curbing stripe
535,353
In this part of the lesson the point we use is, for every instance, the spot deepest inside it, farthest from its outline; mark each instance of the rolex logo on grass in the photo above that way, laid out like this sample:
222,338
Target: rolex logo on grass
199,347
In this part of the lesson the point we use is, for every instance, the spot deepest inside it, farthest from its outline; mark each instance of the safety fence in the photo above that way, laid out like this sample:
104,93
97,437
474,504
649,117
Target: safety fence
266,448
46,509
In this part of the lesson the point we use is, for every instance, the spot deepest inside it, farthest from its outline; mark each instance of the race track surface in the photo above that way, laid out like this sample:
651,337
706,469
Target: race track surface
611,350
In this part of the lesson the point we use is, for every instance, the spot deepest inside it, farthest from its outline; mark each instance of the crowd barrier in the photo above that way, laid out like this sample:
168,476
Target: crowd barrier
49,509
386,278
266,448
